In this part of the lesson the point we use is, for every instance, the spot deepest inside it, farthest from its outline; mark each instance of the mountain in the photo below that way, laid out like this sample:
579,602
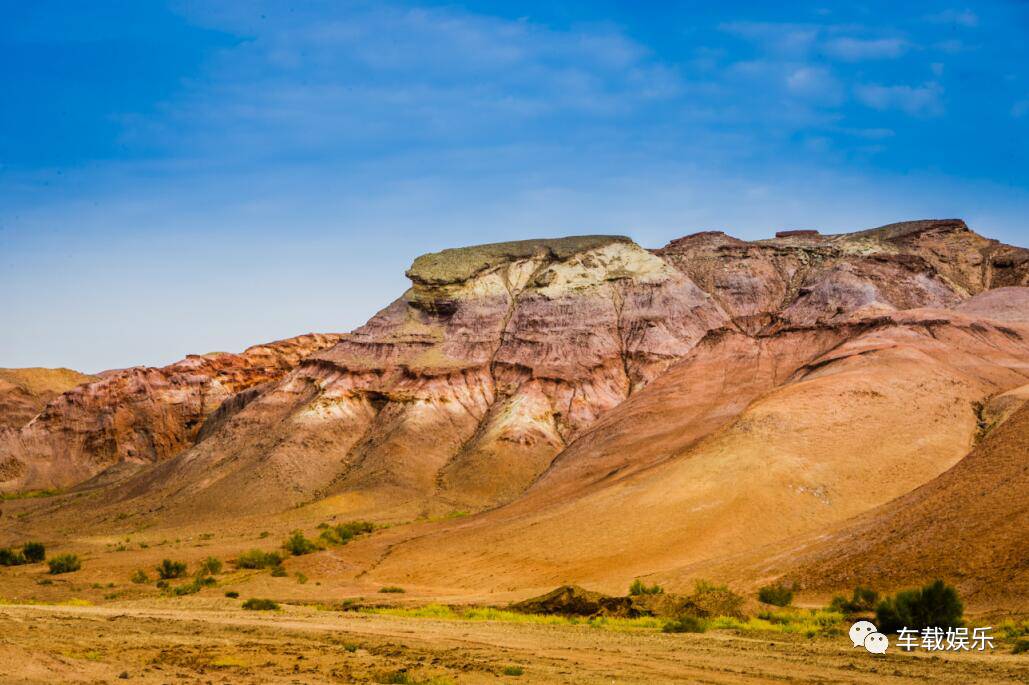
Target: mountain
604,411
967,525
24,392
138,415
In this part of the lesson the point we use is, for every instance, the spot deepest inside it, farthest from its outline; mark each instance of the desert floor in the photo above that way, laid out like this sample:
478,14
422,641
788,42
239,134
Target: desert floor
217,642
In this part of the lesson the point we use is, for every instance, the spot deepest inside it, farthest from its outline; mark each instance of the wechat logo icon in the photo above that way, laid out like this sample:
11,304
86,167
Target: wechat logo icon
865,634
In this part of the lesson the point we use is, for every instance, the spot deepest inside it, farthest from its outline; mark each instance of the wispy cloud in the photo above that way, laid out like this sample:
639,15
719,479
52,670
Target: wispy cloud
925,100
856,49
959,17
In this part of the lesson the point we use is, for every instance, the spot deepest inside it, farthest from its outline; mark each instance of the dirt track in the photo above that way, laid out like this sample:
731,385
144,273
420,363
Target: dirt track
45,644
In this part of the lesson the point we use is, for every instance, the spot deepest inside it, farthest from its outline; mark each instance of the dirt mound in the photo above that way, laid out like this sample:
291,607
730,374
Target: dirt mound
968,526
572,600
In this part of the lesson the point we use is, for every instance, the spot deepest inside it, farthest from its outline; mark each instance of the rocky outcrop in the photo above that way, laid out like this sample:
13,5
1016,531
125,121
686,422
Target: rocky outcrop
138,415
24,392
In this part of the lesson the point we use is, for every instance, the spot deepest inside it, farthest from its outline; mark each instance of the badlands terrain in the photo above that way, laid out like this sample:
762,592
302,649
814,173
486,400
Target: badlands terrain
819,410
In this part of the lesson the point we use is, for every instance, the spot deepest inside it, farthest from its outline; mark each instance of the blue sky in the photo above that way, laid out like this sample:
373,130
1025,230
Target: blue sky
193,176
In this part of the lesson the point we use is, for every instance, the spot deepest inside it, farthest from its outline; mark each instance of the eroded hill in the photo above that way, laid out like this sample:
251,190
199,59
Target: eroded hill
610,411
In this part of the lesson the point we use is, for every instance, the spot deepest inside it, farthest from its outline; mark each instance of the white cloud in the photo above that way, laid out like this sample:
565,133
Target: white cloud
782,38
857,49
922,100
962,17
814,83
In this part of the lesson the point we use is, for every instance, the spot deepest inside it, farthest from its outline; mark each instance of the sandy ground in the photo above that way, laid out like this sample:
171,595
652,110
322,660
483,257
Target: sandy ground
150,644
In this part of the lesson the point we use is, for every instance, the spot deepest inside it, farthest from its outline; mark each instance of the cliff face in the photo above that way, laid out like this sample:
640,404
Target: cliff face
137,415
499,359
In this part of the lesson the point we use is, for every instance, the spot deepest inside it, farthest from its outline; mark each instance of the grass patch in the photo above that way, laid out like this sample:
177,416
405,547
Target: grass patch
64,563
298,545
232,594
935,604
28,494
256,558
392,589
639,588
227,662
447,613
685,624
343,533
776,595
140,577
255,604
168,569
513,670
211,566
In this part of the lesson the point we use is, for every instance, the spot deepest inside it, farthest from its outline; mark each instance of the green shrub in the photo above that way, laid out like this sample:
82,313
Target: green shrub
210,567
169,569
935,604
513,670
1021,646
255,558
232,594
140,577
639,588
279,572
297,545
345,532
260,605
301,578
34,552
161,584
186,589
64,563
392,589
709,600
11,557
861,600
685,624
776,595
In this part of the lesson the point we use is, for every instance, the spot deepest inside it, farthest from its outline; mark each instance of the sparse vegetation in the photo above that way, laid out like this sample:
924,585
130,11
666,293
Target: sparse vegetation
684,624
298,545
11,557
193,587
301,578
863,599
64,563
935,604
513,670
210,566
140,577
168,569
278,572
392,589
639,588
256,558
710,599
34,552
232,594
776,595
345,532
1021,646
255,604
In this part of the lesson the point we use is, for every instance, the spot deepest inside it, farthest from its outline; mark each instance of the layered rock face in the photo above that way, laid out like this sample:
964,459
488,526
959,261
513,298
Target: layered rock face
553,374
809,278
138,415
